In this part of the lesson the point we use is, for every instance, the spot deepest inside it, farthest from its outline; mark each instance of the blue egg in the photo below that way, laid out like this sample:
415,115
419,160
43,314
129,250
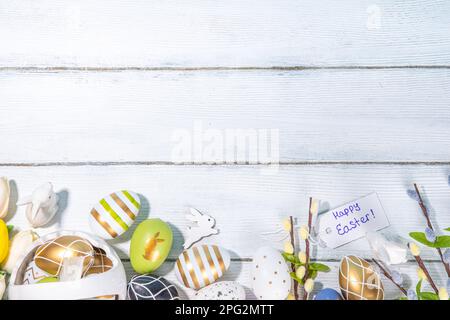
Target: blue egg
328,294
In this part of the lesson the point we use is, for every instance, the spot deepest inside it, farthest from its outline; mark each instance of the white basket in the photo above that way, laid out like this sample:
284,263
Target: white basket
112,283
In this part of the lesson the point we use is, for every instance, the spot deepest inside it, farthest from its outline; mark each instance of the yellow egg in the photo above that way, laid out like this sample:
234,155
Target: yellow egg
4,241
358,280
49,256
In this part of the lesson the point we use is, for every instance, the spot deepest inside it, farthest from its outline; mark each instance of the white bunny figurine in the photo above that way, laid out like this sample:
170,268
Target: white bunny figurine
204,227
42,205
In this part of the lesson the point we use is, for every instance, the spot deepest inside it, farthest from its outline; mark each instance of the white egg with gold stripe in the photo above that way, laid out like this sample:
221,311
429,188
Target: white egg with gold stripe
201,265
114,214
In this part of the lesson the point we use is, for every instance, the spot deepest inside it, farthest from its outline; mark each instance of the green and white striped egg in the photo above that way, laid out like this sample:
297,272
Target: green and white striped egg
114,214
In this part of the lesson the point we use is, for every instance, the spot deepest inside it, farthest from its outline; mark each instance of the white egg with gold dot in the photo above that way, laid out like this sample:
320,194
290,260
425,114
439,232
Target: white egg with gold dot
270,275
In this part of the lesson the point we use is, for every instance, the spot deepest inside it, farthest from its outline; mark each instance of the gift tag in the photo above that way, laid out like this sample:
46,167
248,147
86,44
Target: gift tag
352,221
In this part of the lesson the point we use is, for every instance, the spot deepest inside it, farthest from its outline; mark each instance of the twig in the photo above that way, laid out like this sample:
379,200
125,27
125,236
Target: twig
427,274
305,295
427,217
389,276
291,233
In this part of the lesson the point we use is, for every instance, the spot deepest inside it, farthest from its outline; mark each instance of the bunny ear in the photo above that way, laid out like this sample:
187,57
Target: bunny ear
195,212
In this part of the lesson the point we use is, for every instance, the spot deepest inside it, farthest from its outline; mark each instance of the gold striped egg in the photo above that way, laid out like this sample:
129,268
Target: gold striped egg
358,280
49,256
114,214
201,265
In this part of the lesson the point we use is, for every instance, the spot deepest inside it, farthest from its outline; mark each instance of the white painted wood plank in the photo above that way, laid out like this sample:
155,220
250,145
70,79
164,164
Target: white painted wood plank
241,272
264,33
248,203
327,115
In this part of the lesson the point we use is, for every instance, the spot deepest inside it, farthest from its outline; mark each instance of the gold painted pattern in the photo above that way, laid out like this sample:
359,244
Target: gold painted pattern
101,262
49,256
181,270
103,223
123,206
358,280
35,277
211,262
199,260
219,258
191,270
201,265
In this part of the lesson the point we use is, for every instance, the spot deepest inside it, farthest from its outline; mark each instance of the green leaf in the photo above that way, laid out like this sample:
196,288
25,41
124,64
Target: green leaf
294,276
10,228
313,274
447,229
403,298
420,237
290,257
441,241
318,267
429,296
418,288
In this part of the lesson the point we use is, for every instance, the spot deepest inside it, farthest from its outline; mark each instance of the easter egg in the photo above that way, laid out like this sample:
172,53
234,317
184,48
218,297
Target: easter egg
200,266
223,290
328,294
358,280
48,280
270,275
148,287
4,241
49,256
150,245
33,274
114,214
101,263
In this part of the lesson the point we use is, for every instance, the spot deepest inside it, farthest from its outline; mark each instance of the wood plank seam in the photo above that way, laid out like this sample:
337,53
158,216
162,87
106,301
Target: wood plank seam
219,68
224,164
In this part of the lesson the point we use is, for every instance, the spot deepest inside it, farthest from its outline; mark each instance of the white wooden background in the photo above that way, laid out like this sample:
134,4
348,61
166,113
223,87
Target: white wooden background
92,91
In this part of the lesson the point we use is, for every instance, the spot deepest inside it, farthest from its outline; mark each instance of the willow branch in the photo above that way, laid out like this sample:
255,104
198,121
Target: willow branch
427,217
305,295
291,233
389,276
427,274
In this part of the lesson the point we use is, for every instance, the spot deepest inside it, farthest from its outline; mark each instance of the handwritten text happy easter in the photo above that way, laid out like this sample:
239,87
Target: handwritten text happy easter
358,219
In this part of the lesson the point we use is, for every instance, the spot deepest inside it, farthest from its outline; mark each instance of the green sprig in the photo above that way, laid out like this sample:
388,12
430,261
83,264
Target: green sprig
441,241
428,296
290,258
418,288
313,267
294,276
319,267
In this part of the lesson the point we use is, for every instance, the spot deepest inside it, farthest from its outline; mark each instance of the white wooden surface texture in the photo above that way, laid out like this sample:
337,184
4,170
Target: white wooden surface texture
247,204
326,115
176,33
91,82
